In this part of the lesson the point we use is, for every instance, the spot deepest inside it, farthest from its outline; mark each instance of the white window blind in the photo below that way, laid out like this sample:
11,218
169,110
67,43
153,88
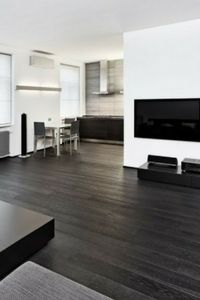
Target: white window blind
5,89
70,94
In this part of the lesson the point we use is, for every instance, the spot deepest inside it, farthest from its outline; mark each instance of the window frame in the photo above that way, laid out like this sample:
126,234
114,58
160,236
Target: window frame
79,92
2,125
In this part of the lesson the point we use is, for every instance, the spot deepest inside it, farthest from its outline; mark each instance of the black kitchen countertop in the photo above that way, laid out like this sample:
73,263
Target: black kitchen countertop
100,117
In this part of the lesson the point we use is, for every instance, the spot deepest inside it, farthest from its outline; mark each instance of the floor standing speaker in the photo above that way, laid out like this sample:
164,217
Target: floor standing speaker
24,137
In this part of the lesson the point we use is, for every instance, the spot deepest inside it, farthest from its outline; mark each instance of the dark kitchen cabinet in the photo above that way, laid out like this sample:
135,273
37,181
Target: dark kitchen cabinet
115,129
101,128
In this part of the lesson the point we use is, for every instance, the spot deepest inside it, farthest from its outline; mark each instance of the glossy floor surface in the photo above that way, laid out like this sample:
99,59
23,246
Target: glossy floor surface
125,238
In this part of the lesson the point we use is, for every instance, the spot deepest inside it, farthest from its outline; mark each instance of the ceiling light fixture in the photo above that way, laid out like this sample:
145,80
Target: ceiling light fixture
37,88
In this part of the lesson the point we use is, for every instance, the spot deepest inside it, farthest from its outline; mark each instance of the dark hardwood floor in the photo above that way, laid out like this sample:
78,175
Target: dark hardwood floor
125,238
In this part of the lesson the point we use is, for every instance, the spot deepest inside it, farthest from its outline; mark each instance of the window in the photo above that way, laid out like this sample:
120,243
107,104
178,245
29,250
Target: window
70,94
5,89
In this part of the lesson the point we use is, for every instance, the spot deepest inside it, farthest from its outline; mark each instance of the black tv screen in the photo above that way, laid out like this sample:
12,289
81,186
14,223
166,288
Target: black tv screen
173,119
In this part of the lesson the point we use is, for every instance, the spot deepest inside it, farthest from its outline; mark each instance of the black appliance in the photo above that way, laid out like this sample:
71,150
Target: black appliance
162,160
170,119
190,165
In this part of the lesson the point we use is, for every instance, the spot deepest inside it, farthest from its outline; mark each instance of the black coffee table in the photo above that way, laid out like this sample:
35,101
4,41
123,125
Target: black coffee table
22,233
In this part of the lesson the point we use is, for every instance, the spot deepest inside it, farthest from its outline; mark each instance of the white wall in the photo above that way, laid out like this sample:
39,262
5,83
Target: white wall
39,106
162,62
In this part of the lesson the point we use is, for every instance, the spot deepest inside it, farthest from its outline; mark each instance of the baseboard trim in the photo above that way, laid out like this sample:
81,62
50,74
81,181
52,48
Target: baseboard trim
110,142
128,167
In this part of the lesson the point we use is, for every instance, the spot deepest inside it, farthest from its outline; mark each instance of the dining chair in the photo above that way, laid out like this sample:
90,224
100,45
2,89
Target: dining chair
66,131
73,135
40,133
68,120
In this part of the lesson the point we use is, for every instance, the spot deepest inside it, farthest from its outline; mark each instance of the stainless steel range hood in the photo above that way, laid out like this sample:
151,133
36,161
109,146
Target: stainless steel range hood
104,88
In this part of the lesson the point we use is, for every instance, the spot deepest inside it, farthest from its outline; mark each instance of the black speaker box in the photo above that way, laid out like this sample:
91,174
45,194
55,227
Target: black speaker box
162,160
190,165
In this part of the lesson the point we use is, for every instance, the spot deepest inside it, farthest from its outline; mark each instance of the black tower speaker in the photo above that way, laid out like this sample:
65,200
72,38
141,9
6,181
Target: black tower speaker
24,136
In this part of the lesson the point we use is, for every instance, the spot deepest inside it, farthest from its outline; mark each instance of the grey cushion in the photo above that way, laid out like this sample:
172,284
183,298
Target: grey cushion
31,281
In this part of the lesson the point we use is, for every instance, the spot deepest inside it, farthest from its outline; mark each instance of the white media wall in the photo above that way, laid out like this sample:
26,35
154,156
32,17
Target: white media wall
161,62
38,105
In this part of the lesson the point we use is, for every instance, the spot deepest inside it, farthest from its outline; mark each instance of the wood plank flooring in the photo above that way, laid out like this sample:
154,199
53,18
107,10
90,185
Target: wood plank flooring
125,238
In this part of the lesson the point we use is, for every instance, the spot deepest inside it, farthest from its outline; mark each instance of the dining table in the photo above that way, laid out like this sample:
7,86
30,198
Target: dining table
56,130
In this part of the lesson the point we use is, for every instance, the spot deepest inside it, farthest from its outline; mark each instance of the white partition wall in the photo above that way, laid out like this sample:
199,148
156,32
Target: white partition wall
162,62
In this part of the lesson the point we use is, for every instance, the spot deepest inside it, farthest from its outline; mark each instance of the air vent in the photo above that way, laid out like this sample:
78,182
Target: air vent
43,52
41,62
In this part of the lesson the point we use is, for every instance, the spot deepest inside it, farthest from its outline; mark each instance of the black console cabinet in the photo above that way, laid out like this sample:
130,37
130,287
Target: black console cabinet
102,128
169,175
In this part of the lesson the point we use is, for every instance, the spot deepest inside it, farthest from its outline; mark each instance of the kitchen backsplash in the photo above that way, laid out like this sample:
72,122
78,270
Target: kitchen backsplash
104,104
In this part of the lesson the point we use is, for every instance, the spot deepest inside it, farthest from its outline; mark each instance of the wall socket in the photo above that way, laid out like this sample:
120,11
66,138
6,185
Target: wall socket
49,119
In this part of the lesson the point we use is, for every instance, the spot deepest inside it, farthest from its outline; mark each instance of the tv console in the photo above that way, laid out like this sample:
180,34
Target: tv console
169,175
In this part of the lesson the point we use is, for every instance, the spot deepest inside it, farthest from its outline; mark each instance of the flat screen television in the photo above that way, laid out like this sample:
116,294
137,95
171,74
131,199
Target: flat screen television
168,119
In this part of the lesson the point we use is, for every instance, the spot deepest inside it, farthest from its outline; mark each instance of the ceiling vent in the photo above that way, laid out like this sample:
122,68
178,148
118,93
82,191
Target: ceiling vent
41,62
43,52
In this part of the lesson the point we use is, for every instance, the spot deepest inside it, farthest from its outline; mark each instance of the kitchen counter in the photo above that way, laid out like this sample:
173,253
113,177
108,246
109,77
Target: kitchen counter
102,128
102,117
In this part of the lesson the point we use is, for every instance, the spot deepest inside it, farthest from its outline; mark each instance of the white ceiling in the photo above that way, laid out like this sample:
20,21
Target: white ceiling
85,29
